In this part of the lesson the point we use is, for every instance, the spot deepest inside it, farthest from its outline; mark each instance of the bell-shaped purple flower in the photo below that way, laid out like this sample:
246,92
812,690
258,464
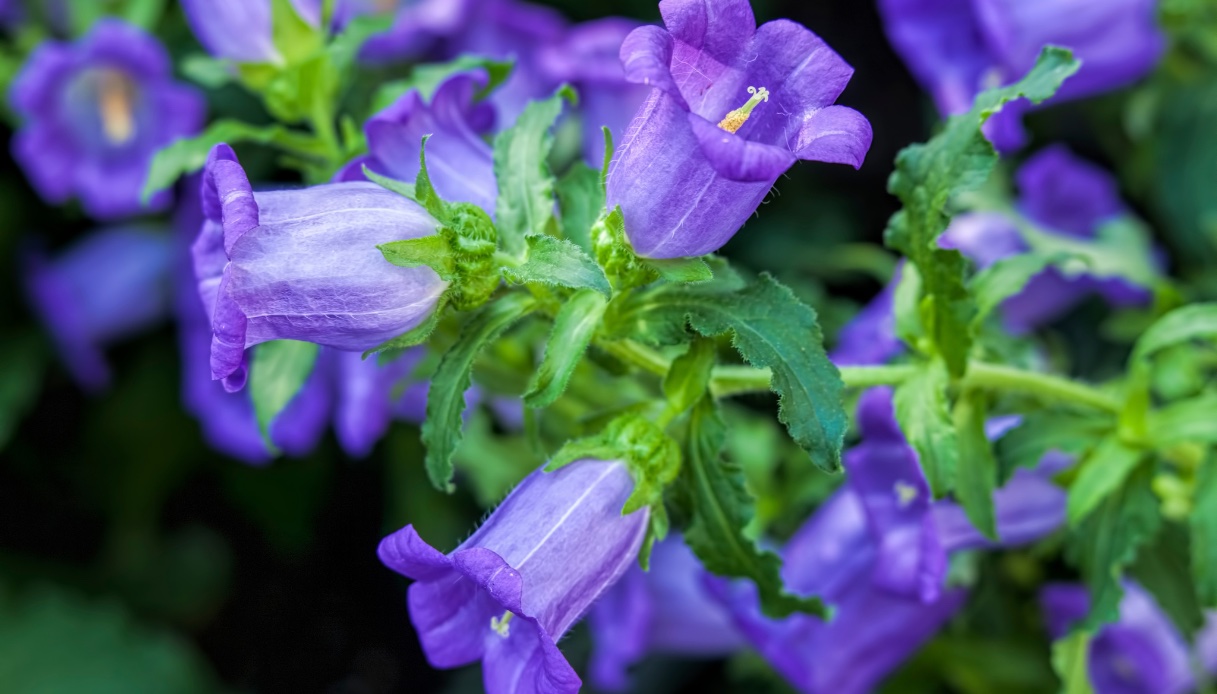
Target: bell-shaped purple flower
459,161
303,265
417,25
1063,195
588,58
664,610
364,395
870,337
702,154
95,112
108,286
239,30
1142,653
510,591
958,48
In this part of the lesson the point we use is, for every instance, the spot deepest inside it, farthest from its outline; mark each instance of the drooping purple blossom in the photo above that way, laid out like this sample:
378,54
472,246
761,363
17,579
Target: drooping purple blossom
701,155
508,593
459,162
1063,195
303,265
1142,653
110,285
664,610
958,48
94,112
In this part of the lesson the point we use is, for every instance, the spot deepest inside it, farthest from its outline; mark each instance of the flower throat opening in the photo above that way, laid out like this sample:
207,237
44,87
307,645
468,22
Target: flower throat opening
116,105
736,119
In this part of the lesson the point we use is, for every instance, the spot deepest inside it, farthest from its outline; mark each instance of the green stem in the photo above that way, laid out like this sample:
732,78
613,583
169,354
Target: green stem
995,377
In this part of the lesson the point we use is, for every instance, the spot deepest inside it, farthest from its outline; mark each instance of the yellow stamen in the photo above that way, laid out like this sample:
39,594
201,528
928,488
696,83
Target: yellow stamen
736,119
502,625
115,101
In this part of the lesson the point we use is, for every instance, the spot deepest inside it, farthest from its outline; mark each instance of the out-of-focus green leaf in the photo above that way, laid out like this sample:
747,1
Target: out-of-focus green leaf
277,372
976,473
1162,568
427,78
925,418
1067,431
1203,525
22,359
1071,663
1100,475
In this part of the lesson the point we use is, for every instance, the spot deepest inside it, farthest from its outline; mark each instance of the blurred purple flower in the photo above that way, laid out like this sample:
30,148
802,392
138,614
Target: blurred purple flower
513,589
238,30
459,161
417,25
303,265
1142,653
664,610
110,285
870,339
697,160
1066,196
95,112
364,393
958,48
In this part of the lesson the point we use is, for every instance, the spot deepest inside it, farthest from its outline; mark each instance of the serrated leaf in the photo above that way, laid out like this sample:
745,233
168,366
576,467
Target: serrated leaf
526,185
1107,542
976,474
1100,475
925,418
557,262
190,154
722,508
574,327
1066,431
441,431
772,329
581,199
277,372
1203,525
682,270
688,379
1070,661
957,160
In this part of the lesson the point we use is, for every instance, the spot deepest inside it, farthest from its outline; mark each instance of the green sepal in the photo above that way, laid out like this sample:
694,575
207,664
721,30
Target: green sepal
722,508
614,253
560,263
277,372
574,327
682,270
442,428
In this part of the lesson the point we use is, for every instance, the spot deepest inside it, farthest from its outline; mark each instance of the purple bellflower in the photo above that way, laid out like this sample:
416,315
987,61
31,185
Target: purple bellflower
364,395
958,48
95,112
303,265
587,57
1065,196
1142,653
110,285
732,107
665,610
417,25
459,161
870,337
508,593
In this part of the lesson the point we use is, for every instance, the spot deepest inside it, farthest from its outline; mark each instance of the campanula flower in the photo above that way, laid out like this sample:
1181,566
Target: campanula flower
1142,653
110,285
958,48
303,265
417,25
1064,196
507,594
870,337
95,112
459,161
667,609
239,30
364,395
732,107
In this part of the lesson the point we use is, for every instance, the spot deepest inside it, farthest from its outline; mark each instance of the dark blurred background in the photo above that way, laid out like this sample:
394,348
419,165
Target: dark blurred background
272,572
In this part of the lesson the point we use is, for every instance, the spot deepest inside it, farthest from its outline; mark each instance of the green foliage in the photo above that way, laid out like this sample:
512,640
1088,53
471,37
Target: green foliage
574,327
560,263
689,377
22,360
441,431
927,176
1005,278
1162,568
925,417
277,372
1203,526
526,184
976,471
1067,431
682,270
426,79
581,200
1070,661
1101,474
722,508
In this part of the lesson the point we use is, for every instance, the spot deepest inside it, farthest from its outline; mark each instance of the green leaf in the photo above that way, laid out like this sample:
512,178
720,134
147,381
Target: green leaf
688,380
1070,660
431,250
1203,525
1004,279
976,474
772,329
22,360
54,641
190,154
277,372
427,78
1070,432
1100,475
925,418
574,327
682,270
1106,542
1185,421
441,431
722,508
209,72
957,160
1122,249
581,199
526,184
1194,322
1162,568
402,188
557,262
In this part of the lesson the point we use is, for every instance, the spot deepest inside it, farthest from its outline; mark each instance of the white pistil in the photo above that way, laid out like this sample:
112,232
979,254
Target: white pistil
735,120
502,625
905,493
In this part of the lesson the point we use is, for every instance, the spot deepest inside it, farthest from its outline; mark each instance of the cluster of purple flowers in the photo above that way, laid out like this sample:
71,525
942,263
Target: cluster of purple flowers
709,111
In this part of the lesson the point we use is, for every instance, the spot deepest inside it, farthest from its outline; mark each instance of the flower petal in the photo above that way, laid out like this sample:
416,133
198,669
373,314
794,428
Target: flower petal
837,135
737,159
